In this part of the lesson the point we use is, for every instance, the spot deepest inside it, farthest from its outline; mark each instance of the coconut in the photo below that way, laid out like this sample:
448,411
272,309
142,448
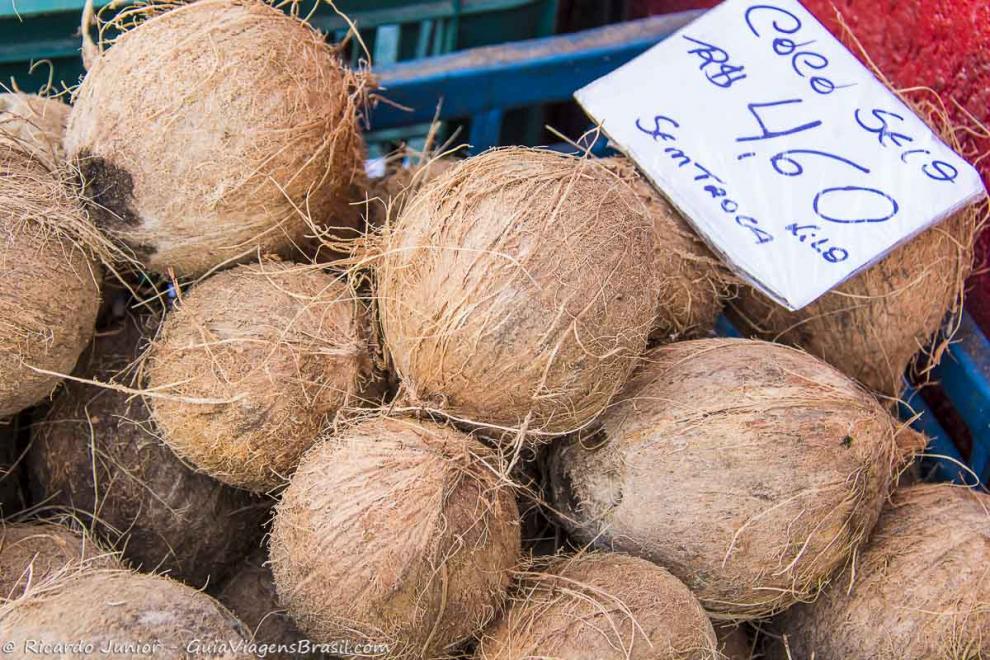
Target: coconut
395,532
920,588
251,366
36,123
250,595
693,283
32,554
212,131
50,294
122,614
875,325
872,326
751,471
601,606
98,454
517,290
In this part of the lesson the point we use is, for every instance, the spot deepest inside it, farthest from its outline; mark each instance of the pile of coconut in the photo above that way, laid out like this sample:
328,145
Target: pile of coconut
252,403
169,348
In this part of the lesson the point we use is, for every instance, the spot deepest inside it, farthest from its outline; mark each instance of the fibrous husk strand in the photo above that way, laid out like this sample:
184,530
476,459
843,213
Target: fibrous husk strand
876,325
692,283
388,195
734,642
50,258
32,554
250,594
36,124
138,615
253,364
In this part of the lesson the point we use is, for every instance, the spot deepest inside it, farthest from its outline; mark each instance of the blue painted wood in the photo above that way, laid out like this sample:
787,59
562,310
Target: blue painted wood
33,30
371,12
485,130
724,327
964,374
426,29
513,75
387,44
942,460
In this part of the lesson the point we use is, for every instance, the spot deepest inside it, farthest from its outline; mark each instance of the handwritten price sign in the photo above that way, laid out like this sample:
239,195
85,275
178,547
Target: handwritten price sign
793,161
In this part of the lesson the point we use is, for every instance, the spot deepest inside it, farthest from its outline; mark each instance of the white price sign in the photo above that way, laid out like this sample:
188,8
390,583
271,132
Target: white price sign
787,155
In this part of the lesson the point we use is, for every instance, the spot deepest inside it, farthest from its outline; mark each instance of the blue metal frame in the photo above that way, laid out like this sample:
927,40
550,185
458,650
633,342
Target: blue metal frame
483,83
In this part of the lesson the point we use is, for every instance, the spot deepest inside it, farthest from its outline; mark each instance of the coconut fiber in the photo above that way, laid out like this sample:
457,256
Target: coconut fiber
601,606
211,131
396,532
97,454
517,290
921,587
50,274
751,471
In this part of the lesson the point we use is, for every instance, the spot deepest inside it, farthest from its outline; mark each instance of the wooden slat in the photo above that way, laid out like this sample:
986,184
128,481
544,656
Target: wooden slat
513,75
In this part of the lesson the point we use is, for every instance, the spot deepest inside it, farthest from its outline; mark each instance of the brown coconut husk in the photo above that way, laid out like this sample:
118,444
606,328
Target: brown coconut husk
693,283
388,195
252,364
142,615
734,642
250,594
257,148
517,291
34,553
920,589
601,606
876,325
97,454
396,532
50,267
751,471
36,123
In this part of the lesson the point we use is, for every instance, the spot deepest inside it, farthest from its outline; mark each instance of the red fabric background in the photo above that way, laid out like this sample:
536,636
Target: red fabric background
941,44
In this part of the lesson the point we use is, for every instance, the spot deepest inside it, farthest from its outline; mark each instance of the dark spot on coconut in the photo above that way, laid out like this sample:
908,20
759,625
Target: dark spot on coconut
847,441
254,418
108,191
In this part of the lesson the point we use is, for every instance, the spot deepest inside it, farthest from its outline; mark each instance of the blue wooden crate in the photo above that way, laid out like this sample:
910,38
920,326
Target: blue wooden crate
480,85
34,31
